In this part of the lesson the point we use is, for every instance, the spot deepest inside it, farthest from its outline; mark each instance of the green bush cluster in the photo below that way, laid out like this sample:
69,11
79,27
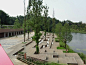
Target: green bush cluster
33,38
62,44
56,40
21,52
10,27
48,63
78,31
83,57
40,34
4,26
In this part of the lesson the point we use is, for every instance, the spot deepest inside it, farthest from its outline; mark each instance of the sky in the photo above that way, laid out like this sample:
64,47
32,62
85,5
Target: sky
74,10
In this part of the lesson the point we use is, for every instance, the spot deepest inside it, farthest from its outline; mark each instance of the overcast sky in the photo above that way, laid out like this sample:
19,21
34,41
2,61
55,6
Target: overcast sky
74,10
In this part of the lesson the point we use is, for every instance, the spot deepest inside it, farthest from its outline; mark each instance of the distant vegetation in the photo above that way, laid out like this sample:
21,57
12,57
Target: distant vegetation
5,19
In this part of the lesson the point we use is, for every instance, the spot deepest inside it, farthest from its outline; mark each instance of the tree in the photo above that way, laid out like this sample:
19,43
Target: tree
66,34
16,25
45,19
48,25
28,26
36,11
4,18
12,20
0,22
85,28
53,26
20,18
58,30
28,17
24,22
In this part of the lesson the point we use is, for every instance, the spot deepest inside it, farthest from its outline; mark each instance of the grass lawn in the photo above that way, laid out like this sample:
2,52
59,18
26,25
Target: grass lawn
56,40
60,48
24,42
69,51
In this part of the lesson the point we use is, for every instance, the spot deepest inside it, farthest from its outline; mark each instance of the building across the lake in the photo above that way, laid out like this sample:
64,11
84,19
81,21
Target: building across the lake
10,32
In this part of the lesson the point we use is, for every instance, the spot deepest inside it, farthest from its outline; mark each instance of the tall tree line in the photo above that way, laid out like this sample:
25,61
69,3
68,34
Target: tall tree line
5,19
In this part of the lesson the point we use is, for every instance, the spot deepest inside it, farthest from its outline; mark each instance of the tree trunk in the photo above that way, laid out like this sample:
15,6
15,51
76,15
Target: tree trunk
28,34
37,48
45,35
24,35
1,25
65,44
53,34
37,41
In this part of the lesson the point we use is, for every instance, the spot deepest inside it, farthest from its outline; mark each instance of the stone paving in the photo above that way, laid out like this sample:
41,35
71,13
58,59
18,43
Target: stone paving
50,51
12,45
63,57
11,41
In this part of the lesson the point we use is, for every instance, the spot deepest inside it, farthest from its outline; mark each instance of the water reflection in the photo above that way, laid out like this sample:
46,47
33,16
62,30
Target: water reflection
78,42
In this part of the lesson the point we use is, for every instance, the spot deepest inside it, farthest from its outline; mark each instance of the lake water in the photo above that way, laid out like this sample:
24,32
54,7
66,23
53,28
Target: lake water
78,42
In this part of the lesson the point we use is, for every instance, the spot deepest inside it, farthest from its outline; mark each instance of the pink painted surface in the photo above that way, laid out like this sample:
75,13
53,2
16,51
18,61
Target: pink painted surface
4,59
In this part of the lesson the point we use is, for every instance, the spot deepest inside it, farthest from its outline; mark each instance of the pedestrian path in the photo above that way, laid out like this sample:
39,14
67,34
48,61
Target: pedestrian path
15,48
52,54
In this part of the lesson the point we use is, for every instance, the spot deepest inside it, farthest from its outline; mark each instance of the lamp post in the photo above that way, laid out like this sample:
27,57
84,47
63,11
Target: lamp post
24,21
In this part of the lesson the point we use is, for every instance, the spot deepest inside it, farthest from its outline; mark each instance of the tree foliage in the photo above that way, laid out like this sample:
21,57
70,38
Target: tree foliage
66,33
4,17
63,32
58,30
45,19
36,12
17,24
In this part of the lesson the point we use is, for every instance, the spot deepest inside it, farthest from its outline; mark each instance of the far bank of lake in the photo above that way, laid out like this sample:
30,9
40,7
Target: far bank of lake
78,42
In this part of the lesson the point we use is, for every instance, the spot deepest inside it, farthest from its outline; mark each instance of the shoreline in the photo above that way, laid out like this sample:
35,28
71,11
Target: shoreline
77,31
81,55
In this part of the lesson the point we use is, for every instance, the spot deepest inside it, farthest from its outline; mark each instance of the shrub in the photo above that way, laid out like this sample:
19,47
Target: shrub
18,58
53,64
83,57
4,26
56,40
33,38
21,52
40,34
62,44
10,27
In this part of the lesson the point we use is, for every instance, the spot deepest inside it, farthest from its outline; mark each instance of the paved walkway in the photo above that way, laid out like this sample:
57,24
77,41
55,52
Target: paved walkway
12,45
63,57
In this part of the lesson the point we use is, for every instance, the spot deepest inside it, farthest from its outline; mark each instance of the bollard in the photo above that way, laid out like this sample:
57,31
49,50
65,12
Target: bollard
24,55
